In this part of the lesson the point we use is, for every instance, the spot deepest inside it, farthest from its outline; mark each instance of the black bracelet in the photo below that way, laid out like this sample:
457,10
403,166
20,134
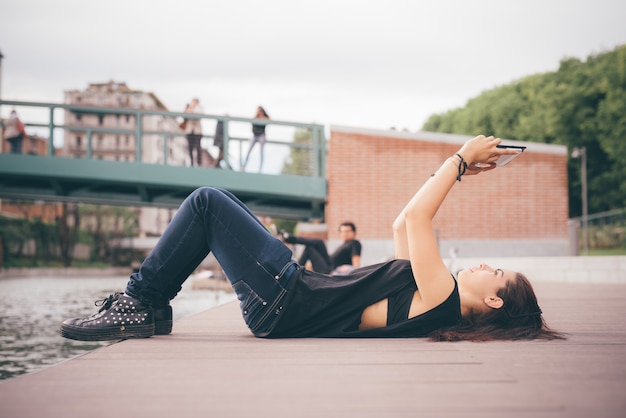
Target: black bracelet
462,167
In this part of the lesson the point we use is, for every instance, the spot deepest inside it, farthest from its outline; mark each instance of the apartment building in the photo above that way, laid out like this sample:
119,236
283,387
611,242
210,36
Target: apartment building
105,144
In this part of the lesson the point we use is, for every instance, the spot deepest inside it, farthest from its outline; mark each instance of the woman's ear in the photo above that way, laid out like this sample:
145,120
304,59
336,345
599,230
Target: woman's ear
494,302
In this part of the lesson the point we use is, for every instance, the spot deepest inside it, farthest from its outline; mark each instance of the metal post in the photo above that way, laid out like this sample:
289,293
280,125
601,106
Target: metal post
316,154
138,136
51,133
582,153
89,149
583,175
225,145
1,56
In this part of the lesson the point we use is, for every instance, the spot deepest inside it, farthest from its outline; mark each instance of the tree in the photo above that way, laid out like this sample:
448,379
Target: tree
67,228
300,159
300,162
581,104
106,225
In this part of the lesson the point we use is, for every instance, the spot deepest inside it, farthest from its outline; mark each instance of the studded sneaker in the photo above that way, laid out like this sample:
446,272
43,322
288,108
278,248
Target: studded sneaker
120,317
162,315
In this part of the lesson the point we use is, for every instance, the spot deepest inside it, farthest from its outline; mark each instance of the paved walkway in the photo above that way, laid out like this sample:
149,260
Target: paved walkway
211,366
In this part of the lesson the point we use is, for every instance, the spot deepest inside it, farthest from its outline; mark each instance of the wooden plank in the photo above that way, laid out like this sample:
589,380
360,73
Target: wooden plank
212,366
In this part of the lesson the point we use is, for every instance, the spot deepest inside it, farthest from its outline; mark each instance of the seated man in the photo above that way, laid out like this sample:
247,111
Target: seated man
342,261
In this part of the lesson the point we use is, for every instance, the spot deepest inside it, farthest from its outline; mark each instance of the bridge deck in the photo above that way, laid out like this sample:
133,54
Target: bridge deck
212,367
127,183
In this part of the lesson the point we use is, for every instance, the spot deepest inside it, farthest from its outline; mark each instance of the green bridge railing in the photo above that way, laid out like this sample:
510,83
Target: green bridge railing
293,181
317,146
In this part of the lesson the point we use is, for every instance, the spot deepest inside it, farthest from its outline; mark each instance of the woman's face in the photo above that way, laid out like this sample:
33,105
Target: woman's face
484,281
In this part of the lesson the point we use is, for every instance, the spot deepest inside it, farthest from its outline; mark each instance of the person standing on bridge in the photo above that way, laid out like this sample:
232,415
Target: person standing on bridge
193,132
413,295
218,141
343,260
14,133
258,135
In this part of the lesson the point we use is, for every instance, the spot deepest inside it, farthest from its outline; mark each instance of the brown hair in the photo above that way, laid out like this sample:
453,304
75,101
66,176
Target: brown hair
518,319
350,225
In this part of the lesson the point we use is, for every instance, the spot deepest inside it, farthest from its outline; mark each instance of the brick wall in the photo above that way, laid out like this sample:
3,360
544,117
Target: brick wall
520,209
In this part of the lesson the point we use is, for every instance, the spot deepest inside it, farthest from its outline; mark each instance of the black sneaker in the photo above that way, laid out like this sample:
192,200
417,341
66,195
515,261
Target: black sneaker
162,316
120,317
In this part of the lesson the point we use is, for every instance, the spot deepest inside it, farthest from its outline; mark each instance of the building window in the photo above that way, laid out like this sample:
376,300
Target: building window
79,141
78,117
101,119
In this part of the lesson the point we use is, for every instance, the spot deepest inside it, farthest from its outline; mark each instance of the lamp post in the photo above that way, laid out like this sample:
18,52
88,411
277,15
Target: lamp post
1,56
581,152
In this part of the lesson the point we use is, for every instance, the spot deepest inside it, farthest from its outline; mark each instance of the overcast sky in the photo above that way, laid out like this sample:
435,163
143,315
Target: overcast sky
371,64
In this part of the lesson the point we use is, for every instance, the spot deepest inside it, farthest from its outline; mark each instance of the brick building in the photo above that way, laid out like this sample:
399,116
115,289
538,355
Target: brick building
517,210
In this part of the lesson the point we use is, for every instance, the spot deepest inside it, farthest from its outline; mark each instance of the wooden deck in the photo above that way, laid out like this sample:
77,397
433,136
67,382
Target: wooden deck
211,366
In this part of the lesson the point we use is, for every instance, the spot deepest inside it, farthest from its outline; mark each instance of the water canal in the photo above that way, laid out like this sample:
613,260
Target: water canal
31,310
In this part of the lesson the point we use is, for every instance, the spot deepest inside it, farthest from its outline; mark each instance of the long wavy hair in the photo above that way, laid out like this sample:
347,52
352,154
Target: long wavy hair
518,319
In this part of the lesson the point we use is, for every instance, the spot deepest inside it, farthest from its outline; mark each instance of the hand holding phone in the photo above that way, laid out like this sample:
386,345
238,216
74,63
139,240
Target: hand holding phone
505,159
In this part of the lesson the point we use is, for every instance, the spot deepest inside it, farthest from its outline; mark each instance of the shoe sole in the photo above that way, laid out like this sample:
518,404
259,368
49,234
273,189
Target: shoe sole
105,334
163,327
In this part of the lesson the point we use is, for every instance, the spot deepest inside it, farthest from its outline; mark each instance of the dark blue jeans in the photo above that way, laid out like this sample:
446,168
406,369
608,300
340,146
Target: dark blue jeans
258,265
16,144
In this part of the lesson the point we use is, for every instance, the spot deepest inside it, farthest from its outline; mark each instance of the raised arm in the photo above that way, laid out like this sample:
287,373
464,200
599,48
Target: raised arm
356,260
414,235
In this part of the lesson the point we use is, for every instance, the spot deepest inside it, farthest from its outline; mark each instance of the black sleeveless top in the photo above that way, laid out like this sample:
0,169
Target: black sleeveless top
399,304
319,305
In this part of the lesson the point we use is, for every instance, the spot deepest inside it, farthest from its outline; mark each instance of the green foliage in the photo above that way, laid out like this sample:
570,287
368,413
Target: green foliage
581,104
300,160
16,234
105,226
607,252
33,243
288,225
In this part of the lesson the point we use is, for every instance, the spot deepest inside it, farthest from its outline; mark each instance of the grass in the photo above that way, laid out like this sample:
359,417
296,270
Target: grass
605,251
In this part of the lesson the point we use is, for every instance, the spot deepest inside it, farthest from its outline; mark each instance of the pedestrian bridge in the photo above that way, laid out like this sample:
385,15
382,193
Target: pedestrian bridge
292,184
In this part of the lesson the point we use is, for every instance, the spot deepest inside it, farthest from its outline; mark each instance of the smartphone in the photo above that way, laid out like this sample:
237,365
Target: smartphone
505,159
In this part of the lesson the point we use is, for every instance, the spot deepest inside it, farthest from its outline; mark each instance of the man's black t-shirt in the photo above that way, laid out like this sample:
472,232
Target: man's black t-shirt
343,254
